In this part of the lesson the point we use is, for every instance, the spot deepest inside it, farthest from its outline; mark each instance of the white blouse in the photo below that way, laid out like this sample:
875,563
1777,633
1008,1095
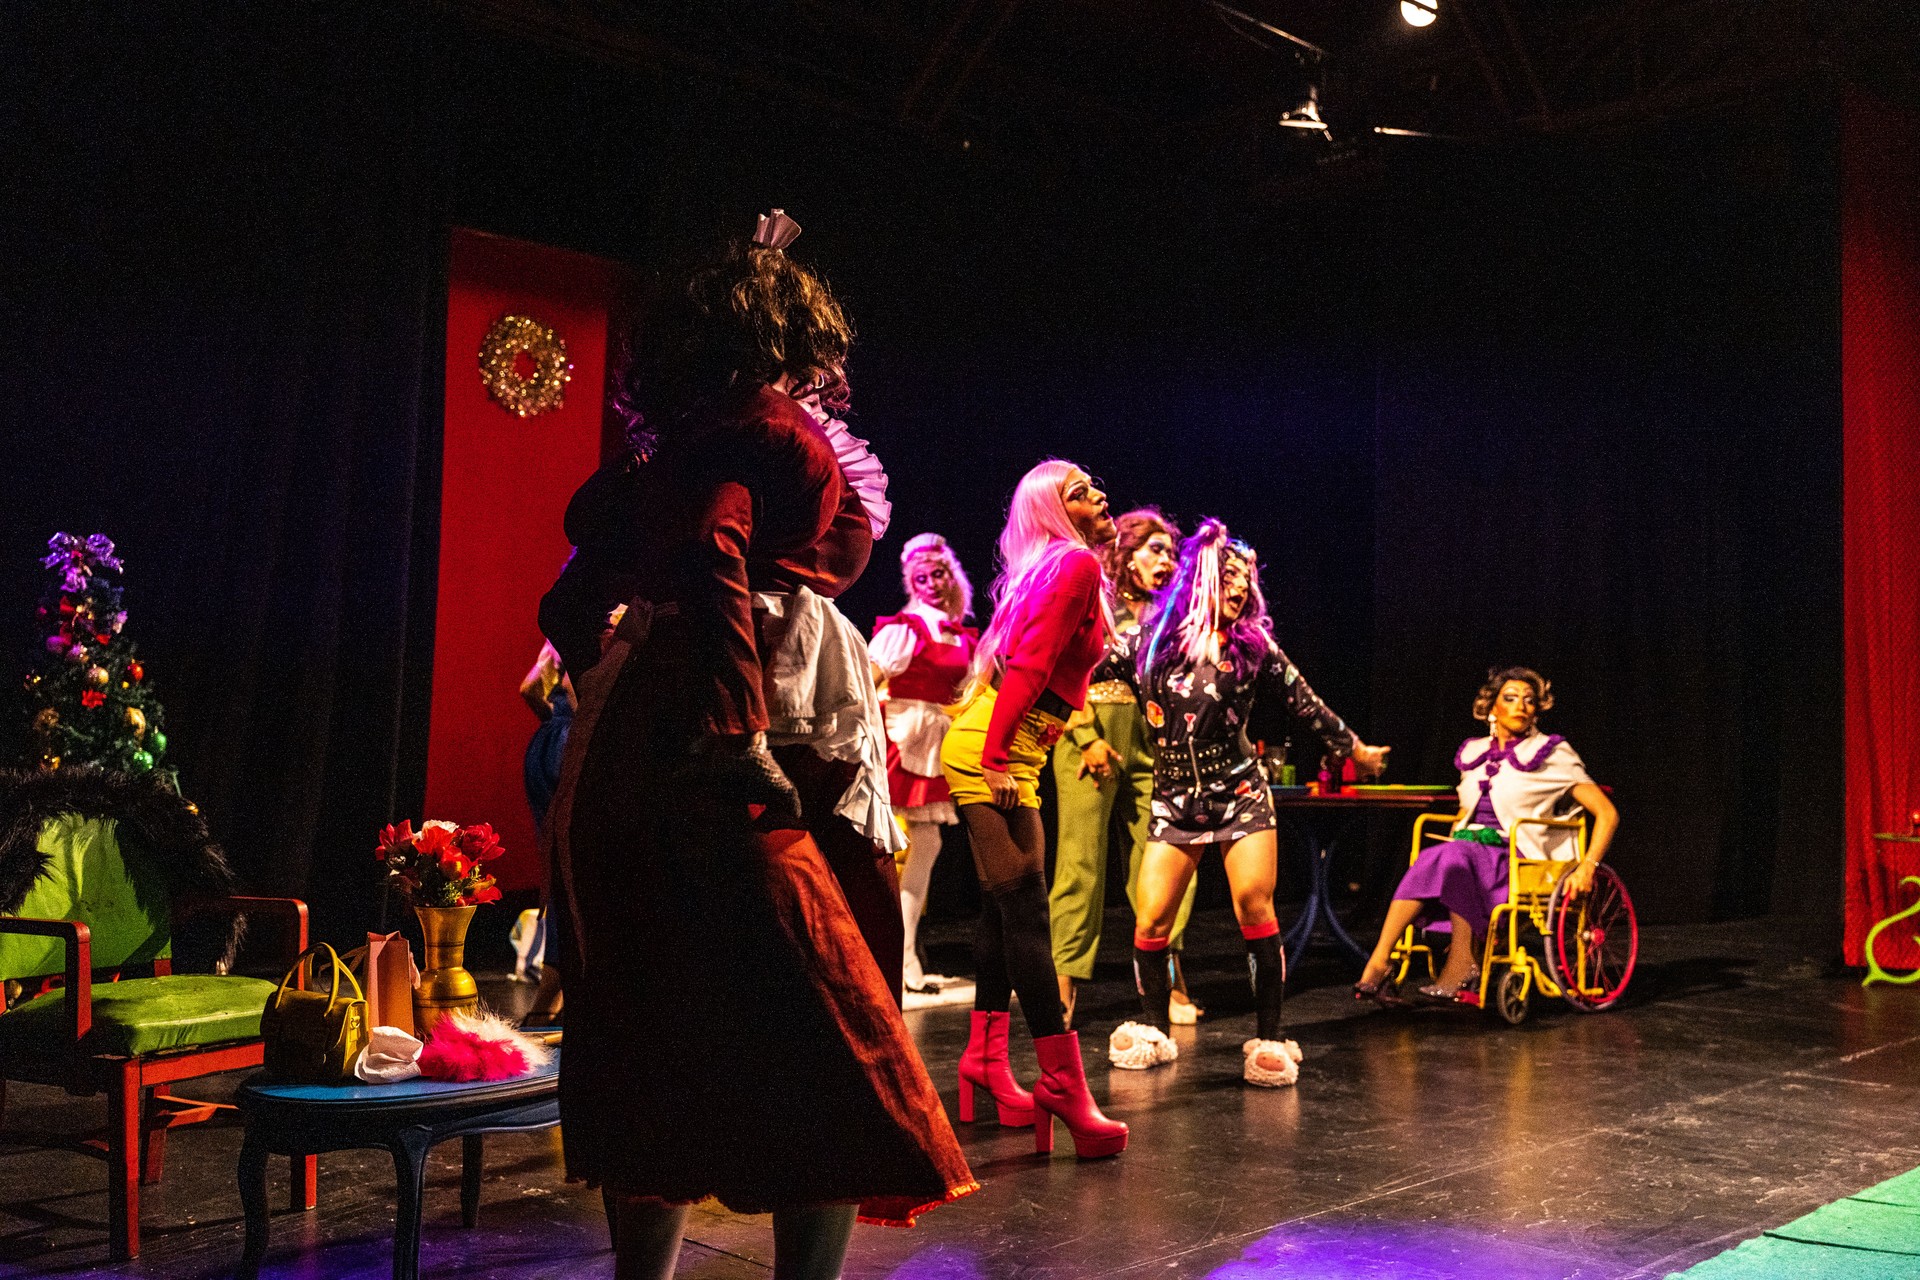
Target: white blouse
1529,778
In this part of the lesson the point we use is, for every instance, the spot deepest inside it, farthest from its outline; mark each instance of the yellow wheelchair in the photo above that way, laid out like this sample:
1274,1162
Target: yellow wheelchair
1540,939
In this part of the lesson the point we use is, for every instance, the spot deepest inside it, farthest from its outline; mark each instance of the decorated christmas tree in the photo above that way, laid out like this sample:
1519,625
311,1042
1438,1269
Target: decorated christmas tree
88,700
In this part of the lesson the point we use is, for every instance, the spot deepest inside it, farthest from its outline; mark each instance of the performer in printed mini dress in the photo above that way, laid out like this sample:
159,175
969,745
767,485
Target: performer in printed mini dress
1207,661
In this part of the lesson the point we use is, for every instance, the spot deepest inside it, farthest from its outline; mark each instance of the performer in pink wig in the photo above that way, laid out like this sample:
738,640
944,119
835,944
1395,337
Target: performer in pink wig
923,653
1051,624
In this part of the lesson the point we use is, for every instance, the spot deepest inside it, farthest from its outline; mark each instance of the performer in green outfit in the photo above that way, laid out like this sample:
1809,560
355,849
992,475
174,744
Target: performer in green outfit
1106,760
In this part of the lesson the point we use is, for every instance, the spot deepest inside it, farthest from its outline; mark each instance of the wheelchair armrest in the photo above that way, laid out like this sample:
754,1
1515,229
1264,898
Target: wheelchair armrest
79,963
291,909
1420,831
1577,825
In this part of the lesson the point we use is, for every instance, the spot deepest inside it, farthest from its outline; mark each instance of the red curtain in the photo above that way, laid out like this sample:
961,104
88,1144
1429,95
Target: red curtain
1880,346
505,485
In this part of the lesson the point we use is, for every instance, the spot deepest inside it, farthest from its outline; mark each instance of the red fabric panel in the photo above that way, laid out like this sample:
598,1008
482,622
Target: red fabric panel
505,482
1880,352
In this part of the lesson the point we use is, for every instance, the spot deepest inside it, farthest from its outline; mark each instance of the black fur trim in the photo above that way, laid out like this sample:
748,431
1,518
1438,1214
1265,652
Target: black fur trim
167,832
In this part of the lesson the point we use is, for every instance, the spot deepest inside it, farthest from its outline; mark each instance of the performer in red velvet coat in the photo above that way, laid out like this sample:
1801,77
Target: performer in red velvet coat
724,905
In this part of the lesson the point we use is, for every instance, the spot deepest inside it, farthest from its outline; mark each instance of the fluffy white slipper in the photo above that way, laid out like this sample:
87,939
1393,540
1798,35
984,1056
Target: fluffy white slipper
1134,1046
1268,1077
1182,1013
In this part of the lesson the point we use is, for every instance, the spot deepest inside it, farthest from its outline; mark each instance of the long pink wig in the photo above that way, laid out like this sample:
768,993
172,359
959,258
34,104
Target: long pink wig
1038,536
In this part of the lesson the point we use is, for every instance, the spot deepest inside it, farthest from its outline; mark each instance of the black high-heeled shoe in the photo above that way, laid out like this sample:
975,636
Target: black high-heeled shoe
1384,993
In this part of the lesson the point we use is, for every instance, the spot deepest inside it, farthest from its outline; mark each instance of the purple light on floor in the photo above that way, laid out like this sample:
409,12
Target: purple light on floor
1331,1250
943,1262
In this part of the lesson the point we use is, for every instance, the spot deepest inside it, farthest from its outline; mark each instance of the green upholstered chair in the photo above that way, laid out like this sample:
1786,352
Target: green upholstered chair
98,919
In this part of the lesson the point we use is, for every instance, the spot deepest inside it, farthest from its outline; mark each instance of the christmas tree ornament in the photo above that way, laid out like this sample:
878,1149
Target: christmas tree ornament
84,703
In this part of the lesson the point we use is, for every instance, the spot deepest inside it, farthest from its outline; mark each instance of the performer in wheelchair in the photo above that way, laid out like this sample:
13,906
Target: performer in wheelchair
1514,773
1207,666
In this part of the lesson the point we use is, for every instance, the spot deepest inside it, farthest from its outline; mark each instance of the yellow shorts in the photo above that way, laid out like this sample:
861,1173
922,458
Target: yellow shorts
1026,756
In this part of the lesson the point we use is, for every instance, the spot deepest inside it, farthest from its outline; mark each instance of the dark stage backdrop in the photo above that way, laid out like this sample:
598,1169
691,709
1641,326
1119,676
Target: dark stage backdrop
224,303
1562,405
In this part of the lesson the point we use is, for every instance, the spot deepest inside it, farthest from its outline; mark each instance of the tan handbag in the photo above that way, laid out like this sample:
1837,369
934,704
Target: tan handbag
314,1037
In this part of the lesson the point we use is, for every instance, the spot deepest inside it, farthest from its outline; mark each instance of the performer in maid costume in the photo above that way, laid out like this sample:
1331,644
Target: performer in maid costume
923,654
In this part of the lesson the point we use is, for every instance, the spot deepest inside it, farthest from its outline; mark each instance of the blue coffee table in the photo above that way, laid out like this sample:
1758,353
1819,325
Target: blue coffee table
407,1119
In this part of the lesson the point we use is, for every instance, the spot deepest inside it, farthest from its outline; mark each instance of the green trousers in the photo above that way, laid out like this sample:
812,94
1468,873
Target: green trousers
1078,900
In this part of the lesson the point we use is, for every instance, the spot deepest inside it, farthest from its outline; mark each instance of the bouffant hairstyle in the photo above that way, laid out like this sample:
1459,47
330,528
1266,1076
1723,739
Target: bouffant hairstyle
1135,528
1497,678
738,319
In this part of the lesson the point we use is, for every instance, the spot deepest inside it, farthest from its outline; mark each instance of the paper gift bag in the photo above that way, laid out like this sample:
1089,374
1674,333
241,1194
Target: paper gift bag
389,979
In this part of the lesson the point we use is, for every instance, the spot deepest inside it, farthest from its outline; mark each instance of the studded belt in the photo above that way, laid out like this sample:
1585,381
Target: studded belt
1107,692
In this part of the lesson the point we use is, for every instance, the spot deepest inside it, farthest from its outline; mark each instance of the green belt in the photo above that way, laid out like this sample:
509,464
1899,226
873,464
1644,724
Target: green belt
1482,835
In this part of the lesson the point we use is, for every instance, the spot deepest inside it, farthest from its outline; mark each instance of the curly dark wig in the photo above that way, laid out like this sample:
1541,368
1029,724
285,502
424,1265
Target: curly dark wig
1497,678
737,319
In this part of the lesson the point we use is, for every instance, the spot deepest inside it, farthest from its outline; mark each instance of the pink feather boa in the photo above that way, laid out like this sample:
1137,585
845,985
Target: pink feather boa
476,1047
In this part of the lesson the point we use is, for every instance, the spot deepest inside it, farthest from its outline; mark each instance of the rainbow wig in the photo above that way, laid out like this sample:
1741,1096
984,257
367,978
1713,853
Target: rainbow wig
931,546
1038,536
1186,616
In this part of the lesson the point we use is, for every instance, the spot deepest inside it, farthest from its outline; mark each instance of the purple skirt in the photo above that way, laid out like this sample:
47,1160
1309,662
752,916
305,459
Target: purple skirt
1466,877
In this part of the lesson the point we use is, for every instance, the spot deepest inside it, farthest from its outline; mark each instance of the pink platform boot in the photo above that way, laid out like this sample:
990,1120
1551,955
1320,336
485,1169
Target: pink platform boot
984,1066
1062,1091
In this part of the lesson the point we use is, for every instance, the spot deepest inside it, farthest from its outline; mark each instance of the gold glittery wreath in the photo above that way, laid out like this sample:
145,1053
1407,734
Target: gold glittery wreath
541,391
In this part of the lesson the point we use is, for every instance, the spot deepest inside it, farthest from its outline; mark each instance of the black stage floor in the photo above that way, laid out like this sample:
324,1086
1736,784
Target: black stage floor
1731,1092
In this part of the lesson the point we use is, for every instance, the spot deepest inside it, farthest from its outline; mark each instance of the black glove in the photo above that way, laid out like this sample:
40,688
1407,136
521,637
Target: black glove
740,767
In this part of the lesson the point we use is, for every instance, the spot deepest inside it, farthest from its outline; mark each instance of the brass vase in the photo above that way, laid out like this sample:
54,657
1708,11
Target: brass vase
445,985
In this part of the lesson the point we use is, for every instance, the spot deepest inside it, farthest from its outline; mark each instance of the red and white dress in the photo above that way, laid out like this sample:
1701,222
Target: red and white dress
925,656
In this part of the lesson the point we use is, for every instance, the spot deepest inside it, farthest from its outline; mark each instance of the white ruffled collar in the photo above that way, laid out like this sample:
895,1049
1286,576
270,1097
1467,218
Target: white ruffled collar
857,463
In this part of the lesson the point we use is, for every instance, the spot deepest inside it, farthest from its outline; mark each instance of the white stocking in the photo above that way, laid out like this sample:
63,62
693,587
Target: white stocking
925,848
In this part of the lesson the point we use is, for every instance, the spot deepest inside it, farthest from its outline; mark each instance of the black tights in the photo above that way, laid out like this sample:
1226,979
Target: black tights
1013,945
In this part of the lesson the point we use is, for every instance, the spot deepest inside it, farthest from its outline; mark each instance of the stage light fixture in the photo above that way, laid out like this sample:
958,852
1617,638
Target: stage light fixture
1307,114
1419,13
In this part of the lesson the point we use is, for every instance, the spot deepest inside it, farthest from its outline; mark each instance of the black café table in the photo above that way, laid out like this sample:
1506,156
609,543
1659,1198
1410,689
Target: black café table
407,1119
1322,820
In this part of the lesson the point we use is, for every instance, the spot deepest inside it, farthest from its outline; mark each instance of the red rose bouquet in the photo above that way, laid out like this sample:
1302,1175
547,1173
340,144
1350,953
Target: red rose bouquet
439,865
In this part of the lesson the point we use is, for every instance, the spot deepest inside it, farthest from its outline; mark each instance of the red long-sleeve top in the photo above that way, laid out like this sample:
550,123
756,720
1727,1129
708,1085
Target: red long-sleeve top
1055,642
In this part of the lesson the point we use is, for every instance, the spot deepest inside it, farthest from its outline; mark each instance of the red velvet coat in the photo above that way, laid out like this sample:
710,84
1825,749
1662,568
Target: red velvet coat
731,981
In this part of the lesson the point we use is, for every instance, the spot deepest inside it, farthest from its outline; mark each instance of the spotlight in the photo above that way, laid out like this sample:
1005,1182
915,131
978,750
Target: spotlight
1419,13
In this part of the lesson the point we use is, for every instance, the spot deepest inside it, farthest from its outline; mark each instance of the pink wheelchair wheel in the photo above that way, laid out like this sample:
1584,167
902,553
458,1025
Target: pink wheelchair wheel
1593,943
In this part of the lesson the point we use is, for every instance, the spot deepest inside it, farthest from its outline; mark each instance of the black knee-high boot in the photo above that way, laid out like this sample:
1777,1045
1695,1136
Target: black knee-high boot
1027,945
1267,967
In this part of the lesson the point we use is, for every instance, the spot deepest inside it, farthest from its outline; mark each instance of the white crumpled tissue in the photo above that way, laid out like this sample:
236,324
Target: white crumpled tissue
391,1056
